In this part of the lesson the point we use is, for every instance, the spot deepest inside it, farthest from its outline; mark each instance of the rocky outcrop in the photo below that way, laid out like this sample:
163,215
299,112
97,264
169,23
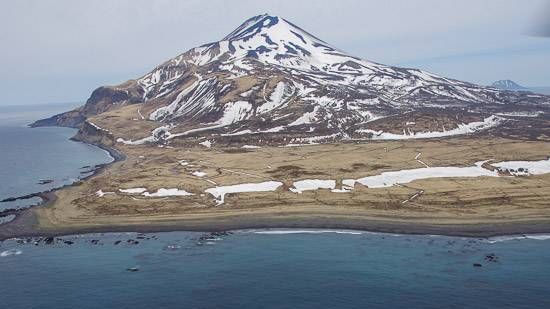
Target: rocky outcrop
102,99
72,119
92,134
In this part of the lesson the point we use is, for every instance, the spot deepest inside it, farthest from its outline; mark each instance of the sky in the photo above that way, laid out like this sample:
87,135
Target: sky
61,50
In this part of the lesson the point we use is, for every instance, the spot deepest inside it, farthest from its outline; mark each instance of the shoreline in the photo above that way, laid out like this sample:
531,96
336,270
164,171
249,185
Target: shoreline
24,225
26,222
25,218
116,155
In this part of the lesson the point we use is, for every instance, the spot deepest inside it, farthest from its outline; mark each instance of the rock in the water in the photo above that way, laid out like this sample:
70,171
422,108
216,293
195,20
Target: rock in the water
491,258
132,241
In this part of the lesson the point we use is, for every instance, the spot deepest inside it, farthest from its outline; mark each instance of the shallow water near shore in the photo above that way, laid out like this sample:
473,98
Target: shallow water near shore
277,269
30,155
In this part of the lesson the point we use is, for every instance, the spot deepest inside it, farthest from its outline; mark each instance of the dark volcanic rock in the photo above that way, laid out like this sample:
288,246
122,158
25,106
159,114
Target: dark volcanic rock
491,258
132,242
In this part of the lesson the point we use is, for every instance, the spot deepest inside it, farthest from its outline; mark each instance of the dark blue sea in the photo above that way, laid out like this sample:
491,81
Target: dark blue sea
296,270
29,155
251,269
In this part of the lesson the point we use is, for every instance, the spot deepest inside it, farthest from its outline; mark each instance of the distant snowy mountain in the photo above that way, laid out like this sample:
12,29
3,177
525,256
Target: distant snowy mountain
507,84
271,78
512,86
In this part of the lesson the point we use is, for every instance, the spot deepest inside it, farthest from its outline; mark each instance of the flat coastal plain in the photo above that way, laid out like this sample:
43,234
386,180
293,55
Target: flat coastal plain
461,206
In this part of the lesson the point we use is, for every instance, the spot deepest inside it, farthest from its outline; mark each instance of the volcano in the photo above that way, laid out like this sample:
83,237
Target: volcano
271,80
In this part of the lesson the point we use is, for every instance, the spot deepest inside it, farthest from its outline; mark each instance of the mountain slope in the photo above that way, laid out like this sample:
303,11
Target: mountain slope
271,78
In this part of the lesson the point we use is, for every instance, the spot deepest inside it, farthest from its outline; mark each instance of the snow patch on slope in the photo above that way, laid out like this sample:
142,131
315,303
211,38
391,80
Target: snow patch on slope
278,98
468,128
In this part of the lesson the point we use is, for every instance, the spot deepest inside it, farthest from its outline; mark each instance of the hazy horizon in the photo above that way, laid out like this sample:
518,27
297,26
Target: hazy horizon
61,51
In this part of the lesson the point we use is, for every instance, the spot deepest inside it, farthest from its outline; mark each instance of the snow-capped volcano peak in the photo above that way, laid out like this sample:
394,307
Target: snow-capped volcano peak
272,40
275,27
252,26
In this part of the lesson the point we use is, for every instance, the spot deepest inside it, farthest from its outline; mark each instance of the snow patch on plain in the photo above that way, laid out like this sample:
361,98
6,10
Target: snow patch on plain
198,174
312,184
388,179
524,168
220,192
167,192
250,147
100,193
206,143
133,190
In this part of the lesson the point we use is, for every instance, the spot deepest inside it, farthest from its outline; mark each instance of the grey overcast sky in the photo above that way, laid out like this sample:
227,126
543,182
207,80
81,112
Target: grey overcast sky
59,51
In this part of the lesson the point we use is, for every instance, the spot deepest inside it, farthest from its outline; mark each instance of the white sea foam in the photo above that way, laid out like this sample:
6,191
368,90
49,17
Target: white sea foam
498,239
10,252
307,231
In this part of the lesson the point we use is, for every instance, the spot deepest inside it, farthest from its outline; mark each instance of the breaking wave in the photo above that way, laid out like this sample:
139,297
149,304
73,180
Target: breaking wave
496,239
10,252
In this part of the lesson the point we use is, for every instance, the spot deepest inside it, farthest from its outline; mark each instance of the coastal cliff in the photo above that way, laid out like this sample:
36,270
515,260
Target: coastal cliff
101,100
91,134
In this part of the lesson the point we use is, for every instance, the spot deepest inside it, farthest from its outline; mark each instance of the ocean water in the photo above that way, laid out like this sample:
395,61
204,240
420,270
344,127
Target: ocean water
280,270
30,154
245,269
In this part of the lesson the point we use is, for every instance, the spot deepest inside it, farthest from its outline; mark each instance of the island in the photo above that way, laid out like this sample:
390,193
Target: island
273,127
